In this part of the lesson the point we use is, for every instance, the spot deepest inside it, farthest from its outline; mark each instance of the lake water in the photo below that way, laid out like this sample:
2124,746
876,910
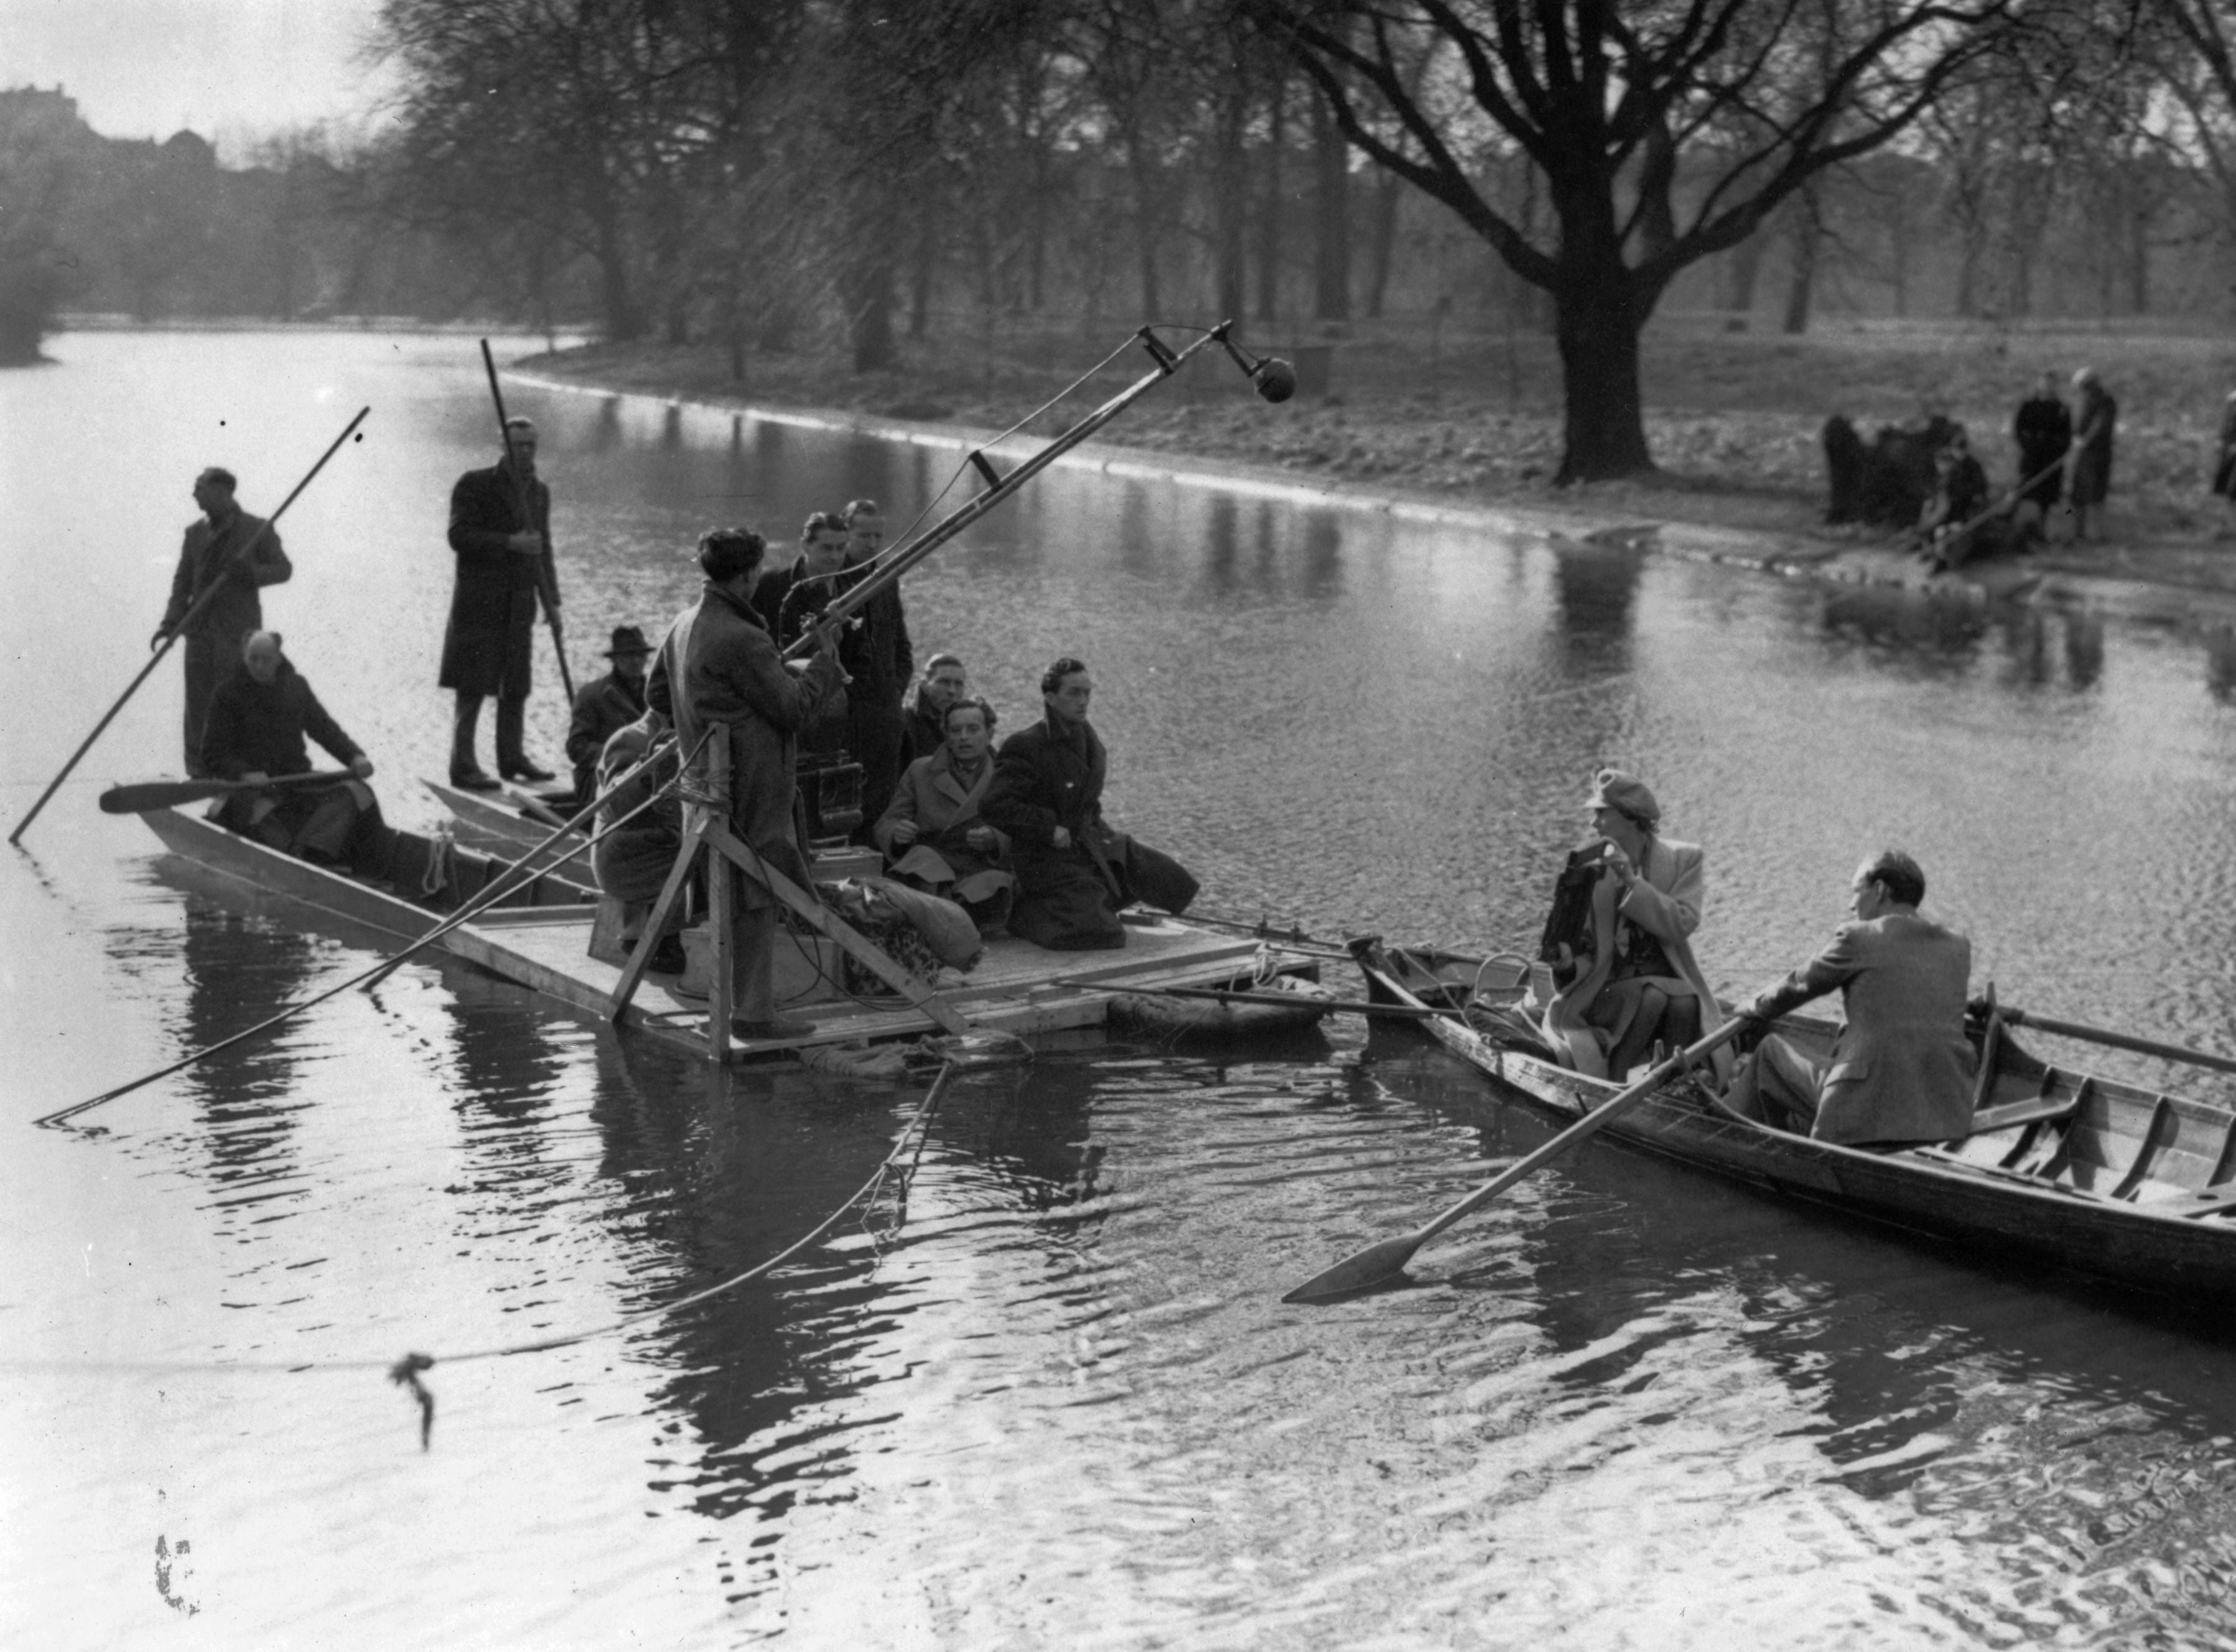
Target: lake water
1052,1399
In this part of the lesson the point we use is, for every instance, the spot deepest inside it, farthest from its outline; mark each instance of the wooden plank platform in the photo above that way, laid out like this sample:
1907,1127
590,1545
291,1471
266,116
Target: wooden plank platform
1017,988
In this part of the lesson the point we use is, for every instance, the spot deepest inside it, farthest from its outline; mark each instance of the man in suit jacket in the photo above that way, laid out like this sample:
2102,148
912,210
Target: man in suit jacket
1901,1069
501,529
1074,872
719,664
232,551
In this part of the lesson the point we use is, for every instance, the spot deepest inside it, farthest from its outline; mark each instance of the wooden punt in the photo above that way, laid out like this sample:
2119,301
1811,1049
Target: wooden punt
541,938
2062,1168
499,820
404,912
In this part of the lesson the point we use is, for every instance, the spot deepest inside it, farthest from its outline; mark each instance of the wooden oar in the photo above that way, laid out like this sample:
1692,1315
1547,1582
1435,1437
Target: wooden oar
186,623
2118,1040
2010,502
1297,1000
1384,1261
166,794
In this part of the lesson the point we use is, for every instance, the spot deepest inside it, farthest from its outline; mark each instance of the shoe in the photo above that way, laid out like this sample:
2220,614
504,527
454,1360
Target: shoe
523,769
667,957
776,1029
473,781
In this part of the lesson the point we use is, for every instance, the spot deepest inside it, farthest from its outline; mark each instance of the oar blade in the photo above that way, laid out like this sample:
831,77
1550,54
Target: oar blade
1376,1264
158,794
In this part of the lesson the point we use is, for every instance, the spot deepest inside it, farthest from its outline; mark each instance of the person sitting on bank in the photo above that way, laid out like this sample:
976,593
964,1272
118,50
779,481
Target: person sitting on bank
1948,528
254,731
1075,872
1641,987
632,860
1901,1069
931,831
606,705
944,682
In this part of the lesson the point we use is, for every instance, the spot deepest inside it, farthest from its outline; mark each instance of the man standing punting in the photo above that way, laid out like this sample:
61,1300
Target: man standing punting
233,551
501,529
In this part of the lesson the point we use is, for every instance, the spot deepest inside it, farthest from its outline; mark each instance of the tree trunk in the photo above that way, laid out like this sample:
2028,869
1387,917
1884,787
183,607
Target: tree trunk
922,267
1600,316
1269,224
1230,192
1745,268
1382,231
1806,239
1331,217
868,286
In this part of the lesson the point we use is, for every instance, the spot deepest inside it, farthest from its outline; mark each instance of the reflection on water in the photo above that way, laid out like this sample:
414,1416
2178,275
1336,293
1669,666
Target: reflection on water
1050,1396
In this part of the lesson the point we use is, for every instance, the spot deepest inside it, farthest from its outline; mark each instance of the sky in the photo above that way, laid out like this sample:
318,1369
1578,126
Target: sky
231,69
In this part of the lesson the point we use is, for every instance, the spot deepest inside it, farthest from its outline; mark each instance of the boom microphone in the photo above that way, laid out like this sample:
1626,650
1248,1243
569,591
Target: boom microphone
1275,379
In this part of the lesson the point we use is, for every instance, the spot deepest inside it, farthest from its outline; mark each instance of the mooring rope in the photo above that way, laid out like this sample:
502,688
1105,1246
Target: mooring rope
406,1372
497,888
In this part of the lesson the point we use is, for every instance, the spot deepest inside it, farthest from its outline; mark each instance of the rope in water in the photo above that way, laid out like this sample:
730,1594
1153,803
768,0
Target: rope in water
496,889
405,1373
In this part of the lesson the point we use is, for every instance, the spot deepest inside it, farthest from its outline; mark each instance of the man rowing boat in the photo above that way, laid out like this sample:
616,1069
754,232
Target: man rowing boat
1901,1069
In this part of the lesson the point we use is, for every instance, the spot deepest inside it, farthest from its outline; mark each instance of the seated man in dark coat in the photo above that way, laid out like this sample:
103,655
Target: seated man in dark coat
944,682
1074,872
1951,526
257,721
605,707
1901,1069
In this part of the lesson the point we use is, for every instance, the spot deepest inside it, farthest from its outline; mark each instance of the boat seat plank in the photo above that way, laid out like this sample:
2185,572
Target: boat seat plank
1988,1120
2206,1201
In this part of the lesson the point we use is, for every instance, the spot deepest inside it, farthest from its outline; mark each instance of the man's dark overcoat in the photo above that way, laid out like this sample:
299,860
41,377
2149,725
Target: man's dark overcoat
1051,775
603,707
490,640
206,559
719,665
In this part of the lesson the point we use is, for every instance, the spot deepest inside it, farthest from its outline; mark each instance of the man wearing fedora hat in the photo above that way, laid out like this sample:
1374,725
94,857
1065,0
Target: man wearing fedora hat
606,705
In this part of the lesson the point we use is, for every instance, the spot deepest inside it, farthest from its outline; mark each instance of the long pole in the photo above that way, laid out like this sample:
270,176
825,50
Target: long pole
186,623
505,446
903,557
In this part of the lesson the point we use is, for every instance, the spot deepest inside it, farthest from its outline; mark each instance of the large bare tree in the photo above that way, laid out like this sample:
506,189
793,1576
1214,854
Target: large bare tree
1665,131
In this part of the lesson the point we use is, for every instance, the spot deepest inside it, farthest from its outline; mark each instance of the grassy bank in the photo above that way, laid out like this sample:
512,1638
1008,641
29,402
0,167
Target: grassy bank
1733,418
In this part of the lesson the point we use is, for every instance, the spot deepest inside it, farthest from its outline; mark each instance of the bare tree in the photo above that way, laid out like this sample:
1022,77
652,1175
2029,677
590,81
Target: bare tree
1615,104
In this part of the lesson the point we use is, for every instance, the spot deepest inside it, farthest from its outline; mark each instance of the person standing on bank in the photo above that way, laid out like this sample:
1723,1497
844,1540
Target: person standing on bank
225,548
605,707
501,529
2043,430
1075,873
2088,466
719,664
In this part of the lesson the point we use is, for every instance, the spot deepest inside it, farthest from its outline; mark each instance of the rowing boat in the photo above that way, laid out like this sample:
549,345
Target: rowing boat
2080,1172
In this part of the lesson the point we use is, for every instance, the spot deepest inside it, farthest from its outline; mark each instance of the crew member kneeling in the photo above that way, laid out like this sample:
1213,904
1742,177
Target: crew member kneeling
254,731
1901,1070
640,830
1074,872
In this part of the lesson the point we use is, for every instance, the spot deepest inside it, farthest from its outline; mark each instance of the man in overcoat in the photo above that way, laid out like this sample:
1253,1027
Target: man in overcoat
501,529
876,732
606,705
1901,1069
234,553
719,665
1075,873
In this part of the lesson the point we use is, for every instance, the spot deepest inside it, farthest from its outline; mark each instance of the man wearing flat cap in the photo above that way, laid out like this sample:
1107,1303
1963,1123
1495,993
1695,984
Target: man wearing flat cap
1642,985
606,706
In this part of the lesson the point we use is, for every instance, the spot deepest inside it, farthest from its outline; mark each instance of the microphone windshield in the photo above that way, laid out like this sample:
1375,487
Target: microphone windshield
1275,379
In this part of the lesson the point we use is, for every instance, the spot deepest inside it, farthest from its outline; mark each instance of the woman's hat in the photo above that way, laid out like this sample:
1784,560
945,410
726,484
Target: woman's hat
627,639
1612,789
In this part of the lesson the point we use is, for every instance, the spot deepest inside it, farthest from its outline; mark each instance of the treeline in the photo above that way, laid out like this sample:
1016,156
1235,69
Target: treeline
781,174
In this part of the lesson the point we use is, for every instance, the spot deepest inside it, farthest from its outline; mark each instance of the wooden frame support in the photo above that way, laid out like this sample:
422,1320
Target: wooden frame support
707,828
